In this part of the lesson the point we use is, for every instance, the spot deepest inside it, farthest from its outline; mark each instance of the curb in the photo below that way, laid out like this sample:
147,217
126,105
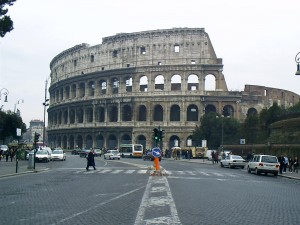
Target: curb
22,173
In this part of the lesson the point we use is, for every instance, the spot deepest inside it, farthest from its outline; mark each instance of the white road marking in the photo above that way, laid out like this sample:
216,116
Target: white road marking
148,202
105,171
116,171
142,171
129,171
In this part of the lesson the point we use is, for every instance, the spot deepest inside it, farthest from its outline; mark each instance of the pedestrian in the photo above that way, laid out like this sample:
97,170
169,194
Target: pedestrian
217,157
291,164
213,157
296,164
90,160
281,162
178,154
7,154
285,164
1,153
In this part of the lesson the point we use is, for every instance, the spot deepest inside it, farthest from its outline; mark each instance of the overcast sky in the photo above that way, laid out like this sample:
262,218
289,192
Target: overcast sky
257,40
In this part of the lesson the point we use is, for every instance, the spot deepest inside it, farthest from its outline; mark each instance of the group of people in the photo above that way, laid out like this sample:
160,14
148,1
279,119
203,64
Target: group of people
215,157
10,153
290,163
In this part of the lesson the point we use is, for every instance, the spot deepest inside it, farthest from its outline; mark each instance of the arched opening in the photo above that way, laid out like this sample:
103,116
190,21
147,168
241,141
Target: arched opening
126,113
228,111
79,142
142,113
144,84
65,120
99,141
65,142
175,113
100,114
128,83
158,114
210,108
174,141
89,142
102,86
112,142
210,82
79,115
72,116
115,85
126,139
81,90
141,139
159,82
71,142
192,113
176,83
251,112
89,115
91,88
113,114
193,82
73,91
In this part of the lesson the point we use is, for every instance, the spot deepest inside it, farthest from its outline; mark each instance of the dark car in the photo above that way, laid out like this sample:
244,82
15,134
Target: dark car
76,151
84,153
148,156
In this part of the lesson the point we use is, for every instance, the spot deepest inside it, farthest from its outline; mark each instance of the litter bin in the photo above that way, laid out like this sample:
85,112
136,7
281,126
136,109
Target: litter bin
31,161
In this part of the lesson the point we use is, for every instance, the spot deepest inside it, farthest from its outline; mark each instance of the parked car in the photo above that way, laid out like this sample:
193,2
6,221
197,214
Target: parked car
83,153
58,154
76,151
112,154
263,164
42,155
97,152
149,156
3,148
232,161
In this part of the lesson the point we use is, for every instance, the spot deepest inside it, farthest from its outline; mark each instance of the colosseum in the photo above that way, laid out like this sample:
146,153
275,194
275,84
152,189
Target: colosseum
117,92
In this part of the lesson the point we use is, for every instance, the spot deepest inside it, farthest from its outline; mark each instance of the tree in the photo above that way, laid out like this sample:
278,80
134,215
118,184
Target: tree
6,24
9,122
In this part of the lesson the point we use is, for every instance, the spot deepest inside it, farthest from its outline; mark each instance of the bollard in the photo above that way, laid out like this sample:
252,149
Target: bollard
156,162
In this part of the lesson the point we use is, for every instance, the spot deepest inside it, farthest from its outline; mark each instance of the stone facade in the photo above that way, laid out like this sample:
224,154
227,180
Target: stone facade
119,91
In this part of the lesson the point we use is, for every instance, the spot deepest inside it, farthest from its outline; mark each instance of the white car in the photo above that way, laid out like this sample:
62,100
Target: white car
263,164
232,161
42,155
58,154
112,154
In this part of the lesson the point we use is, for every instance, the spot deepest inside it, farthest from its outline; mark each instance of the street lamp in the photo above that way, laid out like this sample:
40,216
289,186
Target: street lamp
297,59
18,102
5,93
45,104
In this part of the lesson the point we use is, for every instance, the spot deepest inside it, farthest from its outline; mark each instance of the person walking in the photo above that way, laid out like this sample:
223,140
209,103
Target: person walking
90,160
296,164
281,162
291,164
285,163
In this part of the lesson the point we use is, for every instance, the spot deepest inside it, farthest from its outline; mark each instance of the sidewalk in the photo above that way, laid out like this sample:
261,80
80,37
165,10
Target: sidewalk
9,168
205,161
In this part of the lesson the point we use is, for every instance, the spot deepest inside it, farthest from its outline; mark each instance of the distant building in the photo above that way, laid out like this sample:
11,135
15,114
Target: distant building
34,126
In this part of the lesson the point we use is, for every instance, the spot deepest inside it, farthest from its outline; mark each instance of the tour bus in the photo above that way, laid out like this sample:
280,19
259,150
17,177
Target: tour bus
131,150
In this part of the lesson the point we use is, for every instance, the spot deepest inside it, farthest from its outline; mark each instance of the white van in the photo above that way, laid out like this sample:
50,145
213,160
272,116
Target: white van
48,149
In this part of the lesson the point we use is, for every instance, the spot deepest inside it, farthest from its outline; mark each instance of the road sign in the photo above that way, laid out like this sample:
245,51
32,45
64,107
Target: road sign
156,152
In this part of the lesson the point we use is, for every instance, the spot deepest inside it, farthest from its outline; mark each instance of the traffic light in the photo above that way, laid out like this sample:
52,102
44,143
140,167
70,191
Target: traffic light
155,134
161,133
36,137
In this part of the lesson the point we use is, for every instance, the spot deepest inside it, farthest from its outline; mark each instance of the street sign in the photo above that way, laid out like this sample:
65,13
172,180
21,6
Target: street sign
156,152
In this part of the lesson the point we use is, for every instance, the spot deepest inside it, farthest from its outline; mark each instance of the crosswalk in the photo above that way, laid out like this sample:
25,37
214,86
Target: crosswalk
146,171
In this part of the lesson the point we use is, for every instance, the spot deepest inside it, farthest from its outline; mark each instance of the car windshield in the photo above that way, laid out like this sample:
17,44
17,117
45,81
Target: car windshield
236,157
269,159
57,152
42,152
114,152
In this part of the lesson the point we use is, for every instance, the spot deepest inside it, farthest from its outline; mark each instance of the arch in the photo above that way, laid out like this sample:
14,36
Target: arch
88,142
58,144
61,94
175,113
72,116
65,142
210,108
144,84
79,115
189,141
142,113
113,114
176,82
126,139
112,142
67,92
79,142
73,91
159,82
174,141
89,115
100,114
65,117
192,113
81,90
115,85
158,113
210,82
102,86
91,88
128,84
141,139
59,117
193,82
251,112
228,111
99,141
71,142
126,113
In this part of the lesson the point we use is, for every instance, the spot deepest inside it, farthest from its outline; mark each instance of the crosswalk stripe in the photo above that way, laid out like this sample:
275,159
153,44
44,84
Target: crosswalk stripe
142,171
129,171
105,171
116,171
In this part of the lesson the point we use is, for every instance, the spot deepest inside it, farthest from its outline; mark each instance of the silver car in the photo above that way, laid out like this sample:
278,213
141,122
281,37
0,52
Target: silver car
112,154
264,164
232,161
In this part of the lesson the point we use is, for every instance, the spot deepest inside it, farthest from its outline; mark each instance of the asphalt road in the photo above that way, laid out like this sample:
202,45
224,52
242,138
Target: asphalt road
123,192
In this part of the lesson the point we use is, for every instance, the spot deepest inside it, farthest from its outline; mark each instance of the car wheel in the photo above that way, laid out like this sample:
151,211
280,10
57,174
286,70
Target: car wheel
222,165
109,157
256,171
242,167
104,157
249,171
118,158
229,166
276,174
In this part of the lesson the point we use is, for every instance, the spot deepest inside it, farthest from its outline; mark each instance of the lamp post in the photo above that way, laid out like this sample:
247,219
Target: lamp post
297,59
45,104
18,102
5,93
